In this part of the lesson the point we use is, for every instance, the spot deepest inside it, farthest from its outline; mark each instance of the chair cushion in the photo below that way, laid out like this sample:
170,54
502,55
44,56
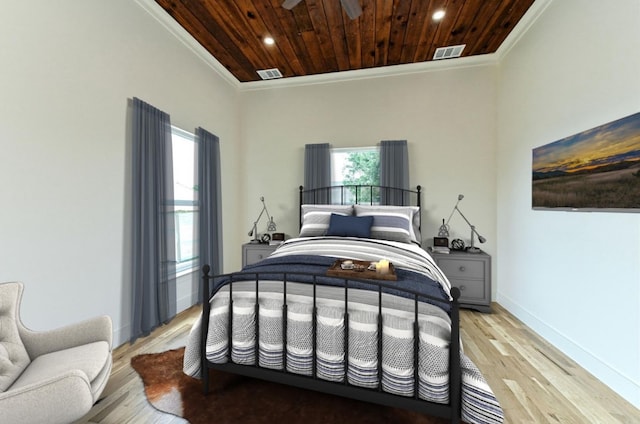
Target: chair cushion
89,358
14,358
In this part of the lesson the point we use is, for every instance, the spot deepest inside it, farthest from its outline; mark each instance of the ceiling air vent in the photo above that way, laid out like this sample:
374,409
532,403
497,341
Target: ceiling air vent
448,52
267,74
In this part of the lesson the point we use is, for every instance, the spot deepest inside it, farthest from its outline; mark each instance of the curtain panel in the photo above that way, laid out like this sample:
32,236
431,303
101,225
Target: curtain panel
153,233
317,172
394,171
209,201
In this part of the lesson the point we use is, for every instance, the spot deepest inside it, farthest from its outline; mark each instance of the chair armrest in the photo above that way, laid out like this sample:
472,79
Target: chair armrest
63,399
92,330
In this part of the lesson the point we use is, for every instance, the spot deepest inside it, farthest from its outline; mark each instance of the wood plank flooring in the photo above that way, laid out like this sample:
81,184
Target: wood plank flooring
533,381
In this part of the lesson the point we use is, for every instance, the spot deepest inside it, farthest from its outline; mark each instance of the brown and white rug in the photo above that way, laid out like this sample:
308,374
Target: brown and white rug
235,399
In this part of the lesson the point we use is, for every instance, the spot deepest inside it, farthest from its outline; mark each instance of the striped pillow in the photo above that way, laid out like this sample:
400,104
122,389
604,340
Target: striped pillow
395,223
315,218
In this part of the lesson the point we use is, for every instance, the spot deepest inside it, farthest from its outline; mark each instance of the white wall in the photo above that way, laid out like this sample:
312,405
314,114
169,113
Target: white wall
447,117
573,277
68,70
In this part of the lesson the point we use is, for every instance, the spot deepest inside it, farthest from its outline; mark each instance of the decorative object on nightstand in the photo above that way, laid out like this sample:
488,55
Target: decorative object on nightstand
472,248
457,244
443,231
441,243
440,249
271,225
277,238
471,273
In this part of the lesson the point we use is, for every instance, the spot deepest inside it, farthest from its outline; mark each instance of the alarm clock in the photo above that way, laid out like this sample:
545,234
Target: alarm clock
266,238
441,241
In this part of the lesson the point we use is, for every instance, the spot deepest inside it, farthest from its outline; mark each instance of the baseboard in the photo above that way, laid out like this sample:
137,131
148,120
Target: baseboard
183,295
607,374
121,335
184,303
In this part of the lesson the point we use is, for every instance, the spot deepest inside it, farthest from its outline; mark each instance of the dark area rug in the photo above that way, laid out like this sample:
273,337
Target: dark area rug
236,399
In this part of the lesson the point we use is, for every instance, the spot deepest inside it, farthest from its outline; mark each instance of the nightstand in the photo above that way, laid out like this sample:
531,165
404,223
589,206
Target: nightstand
471,273
255,252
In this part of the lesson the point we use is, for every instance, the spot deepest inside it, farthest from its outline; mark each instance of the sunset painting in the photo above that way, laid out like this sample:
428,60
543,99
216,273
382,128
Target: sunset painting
595,169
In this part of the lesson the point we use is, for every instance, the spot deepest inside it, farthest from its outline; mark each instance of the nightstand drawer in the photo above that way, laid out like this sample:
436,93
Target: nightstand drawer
255,255
255,252
470,290
471,273
457,268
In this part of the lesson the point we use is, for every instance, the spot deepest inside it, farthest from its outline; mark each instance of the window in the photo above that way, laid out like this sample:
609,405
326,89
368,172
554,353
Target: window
185,189
356,166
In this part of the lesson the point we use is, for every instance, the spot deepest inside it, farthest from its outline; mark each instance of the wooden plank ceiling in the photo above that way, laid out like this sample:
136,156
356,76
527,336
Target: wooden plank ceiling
317,36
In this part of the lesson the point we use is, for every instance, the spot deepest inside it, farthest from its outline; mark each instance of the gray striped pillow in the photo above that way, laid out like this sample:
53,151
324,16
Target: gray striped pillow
395,223
315,218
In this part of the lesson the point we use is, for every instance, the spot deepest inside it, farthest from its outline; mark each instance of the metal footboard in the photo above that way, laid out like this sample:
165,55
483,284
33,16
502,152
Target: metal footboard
451,411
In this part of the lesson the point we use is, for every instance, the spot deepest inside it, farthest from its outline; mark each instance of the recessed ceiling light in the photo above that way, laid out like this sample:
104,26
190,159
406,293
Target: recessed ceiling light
438,15
269,41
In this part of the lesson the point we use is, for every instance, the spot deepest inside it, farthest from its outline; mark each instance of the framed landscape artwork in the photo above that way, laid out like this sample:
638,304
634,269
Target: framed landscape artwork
597,169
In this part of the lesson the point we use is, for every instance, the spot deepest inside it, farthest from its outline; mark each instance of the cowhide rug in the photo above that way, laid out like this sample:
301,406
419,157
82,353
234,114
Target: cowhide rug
234,399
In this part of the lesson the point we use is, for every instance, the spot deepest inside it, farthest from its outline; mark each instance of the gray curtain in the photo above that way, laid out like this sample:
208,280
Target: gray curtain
153,249
210,202
394,171
317,172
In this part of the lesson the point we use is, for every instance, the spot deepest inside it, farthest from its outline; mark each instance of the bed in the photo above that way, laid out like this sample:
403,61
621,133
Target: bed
298,318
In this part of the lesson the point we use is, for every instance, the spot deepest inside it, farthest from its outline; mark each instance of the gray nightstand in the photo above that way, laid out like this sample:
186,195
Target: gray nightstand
471,273
255,252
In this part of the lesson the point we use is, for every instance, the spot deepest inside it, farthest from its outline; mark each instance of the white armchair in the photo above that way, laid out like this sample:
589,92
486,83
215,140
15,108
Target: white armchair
53,376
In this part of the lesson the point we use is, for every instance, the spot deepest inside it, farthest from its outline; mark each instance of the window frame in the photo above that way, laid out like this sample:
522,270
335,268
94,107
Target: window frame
188,265
334,172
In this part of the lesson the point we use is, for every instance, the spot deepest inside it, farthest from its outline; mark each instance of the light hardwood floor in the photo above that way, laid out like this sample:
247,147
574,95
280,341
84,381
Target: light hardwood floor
533,381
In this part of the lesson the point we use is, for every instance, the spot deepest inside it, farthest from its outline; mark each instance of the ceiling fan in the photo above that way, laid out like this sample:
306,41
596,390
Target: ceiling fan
351,7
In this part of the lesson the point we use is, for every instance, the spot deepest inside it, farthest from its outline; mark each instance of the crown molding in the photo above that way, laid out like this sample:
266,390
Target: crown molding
369,73
529,18
526,22
160,15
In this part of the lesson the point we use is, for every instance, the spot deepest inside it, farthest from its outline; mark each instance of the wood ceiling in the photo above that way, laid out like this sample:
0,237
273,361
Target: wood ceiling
317,36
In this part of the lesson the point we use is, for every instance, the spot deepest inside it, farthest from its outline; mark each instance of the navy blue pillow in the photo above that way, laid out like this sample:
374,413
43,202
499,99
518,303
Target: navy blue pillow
350,226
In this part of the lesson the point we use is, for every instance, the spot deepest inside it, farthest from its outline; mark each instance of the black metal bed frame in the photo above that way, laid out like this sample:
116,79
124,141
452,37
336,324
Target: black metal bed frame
312,195
452,410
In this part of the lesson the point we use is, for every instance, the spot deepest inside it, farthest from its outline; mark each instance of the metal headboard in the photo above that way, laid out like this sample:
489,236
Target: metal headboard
354,195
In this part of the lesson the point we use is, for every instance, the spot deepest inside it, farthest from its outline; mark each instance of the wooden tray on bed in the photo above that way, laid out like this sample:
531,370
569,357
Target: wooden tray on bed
361,271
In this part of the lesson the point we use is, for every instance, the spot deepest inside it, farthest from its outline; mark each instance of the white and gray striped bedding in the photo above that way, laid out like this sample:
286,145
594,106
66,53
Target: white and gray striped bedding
403,255
479,403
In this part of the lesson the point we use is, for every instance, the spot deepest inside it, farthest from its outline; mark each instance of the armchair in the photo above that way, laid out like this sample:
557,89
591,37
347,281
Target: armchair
51,376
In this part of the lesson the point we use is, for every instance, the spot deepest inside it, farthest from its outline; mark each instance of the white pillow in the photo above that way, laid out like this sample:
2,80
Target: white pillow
315,218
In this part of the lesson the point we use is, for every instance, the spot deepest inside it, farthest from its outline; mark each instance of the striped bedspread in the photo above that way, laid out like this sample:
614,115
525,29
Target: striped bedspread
479,404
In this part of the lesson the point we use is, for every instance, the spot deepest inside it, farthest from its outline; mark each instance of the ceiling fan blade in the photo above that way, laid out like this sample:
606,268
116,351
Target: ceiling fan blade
290,4
352,8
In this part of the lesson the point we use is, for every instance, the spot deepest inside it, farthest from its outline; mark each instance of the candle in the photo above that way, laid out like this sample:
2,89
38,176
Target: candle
383,266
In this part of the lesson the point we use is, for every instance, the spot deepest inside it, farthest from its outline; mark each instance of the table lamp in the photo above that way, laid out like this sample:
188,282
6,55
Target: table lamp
474,232
271,225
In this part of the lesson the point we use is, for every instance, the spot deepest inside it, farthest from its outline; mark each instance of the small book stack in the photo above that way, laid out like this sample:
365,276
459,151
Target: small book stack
439,249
